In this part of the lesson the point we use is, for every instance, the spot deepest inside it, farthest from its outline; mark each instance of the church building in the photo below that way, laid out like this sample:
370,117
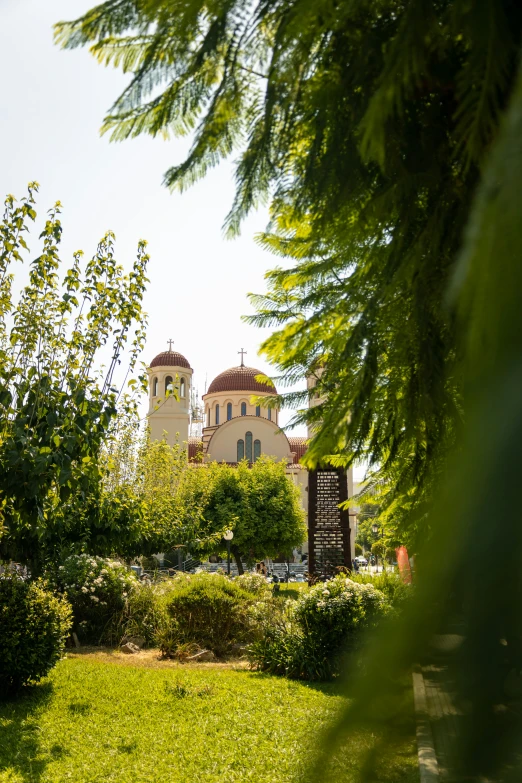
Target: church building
224,426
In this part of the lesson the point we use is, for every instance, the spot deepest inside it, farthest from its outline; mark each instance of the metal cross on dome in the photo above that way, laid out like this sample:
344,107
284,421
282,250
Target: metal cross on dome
242,352
171,343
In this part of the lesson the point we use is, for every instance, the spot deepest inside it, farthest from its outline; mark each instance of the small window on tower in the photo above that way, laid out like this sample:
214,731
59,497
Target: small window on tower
182,388
155,387
217,414
270,414
169,384
240,450
258,410
243,408
229,411
208,417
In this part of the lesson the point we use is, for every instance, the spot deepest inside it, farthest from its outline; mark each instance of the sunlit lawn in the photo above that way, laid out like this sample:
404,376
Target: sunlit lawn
94,720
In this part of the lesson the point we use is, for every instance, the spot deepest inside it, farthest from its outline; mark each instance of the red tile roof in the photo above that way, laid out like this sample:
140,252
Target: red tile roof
195,449
170,359
298,446
240,379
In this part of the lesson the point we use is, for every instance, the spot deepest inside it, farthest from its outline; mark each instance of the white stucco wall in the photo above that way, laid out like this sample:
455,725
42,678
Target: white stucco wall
222,446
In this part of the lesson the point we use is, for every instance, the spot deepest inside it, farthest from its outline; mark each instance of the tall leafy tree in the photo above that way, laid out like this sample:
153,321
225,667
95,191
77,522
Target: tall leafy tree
387,136
259,503
55,406
366,124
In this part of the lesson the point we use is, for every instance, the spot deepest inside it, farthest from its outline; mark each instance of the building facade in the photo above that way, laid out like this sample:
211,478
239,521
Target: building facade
233,429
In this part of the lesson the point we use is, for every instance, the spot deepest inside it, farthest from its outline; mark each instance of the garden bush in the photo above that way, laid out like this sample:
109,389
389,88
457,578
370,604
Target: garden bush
97,589
209,610
253,583
321,625
144,614
388,582
34,625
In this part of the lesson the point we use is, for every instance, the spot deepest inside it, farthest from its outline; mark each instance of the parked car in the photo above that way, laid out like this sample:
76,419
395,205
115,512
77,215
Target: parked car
362,560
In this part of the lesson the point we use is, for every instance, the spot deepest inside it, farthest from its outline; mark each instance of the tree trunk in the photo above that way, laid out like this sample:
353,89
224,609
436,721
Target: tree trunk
237,557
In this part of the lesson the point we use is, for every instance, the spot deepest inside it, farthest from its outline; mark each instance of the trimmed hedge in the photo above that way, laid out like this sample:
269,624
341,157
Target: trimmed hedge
208,610
34,625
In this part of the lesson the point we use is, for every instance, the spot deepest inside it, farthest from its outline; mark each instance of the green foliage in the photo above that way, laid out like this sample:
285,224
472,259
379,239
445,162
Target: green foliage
389,135
358,550
368,516
137,508
389,583
96,589
55,410
333,614
378,549
209,610
144,614
259,503
34,625
252,583
286,652
367,124
325,623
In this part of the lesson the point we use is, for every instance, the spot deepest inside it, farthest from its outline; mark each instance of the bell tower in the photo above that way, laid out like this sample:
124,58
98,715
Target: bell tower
170,388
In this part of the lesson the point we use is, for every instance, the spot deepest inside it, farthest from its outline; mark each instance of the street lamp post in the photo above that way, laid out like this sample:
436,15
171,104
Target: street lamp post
375,530
228,536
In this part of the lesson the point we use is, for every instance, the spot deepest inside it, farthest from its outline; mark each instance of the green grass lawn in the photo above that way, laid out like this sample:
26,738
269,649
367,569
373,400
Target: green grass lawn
96,721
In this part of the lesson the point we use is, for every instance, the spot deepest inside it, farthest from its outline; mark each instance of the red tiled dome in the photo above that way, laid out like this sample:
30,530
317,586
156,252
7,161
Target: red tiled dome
170,359
240,379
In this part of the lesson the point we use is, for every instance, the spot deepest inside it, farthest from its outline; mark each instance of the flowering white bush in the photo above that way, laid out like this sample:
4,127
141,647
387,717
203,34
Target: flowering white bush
336,610
97,588
319,626
253,583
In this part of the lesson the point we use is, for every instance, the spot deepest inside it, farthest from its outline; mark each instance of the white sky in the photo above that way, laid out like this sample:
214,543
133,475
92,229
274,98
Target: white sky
51,108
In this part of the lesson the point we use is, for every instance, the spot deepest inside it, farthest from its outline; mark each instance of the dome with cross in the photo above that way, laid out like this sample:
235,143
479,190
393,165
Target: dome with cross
240,378
170,358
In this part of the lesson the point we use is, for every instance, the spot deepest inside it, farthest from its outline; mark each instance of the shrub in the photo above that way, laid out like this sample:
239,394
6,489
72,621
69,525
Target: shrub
253,583
358,550
97,589
388,582
208,610
334,613
34,625
144,614
322,624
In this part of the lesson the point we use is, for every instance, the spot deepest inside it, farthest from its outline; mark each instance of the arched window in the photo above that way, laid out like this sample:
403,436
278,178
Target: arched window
243,408
229,411
258,410
217,413
240,450
182,388
208,417
248,446
155,387
257,449
169,385
270,414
